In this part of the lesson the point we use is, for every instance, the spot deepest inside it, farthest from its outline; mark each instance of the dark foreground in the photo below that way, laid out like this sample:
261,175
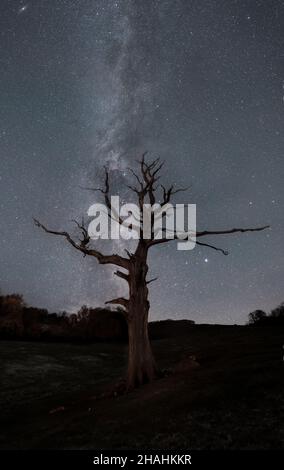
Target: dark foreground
51,394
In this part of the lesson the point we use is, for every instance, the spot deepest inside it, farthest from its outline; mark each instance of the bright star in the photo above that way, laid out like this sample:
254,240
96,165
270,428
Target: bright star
206,260
22,9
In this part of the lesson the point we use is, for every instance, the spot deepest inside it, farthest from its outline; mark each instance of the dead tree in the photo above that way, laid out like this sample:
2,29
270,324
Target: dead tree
133,268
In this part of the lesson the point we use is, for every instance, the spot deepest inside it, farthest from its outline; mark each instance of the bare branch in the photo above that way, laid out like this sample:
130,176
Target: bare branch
130,255
122,275
102,259
87,188
168,193
225,252
86,239
152,280
204,233
132,188
119,301
112,213
180,190
233,230
104,190
159,167
136,176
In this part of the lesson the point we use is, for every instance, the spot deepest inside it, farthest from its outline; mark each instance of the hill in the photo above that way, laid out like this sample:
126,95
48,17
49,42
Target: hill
229,395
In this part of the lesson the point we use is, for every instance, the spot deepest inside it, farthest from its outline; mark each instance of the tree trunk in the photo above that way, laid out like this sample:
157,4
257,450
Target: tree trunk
141,364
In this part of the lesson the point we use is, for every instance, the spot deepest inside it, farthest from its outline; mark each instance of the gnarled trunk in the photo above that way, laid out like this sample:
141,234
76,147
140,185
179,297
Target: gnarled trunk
141,364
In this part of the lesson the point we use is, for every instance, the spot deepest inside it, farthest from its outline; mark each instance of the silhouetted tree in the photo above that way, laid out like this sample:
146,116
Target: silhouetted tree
133,268
278,312
11,315
83,314
11,303
256,316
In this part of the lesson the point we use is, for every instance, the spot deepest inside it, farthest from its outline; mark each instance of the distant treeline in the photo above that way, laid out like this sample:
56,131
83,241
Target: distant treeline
261,318
17,320
20,321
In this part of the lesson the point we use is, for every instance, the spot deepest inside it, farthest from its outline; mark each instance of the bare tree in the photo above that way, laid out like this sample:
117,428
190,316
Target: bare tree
133,268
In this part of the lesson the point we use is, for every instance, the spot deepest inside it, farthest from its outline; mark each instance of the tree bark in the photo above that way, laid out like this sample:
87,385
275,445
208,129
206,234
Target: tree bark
141,364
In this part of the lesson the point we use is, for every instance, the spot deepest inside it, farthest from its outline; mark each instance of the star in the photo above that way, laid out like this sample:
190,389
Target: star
23,9
119,86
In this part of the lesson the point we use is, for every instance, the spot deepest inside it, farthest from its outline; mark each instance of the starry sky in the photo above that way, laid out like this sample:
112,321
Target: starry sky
199,83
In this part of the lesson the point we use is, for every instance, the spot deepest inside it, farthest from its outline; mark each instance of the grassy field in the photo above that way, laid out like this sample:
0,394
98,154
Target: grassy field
51,393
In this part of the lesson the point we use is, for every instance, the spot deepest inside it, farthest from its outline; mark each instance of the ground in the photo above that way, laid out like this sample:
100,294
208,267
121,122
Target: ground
56,395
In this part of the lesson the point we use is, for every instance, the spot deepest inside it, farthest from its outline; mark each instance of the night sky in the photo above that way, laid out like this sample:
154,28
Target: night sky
198,83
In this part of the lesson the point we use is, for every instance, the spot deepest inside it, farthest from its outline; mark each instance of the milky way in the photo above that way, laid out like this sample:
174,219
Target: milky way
198,83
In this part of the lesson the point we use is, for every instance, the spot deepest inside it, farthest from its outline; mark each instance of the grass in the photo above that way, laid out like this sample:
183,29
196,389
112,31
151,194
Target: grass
50,394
